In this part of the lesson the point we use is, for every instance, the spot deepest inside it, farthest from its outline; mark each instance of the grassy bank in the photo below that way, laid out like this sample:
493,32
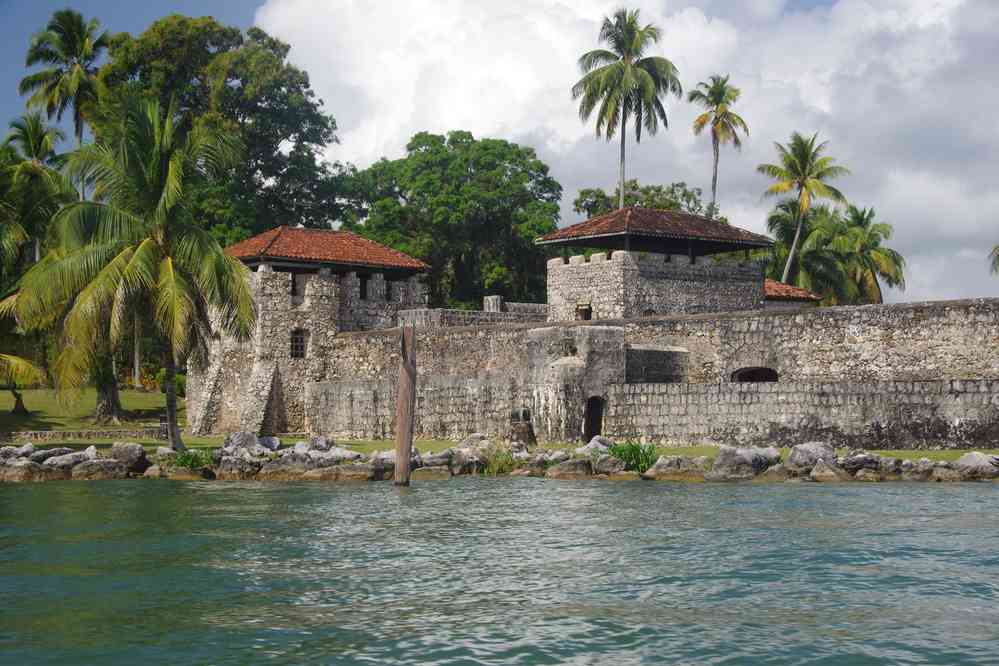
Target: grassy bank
48,412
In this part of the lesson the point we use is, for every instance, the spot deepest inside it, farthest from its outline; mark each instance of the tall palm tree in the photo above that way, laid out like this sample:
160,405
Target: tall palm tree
803,169
869,262
622,82
69,47
37,186
137,246
718,96
994,259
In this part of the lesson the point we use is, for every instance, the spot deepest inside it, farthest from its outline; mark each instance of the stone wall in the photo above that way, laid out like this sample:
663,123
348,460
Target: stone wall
629,285
446,318
872,415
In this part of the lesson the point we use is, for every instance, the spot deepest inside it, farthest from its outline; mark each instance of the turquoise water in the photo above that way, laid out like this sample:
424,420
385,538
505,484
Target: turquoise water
498,571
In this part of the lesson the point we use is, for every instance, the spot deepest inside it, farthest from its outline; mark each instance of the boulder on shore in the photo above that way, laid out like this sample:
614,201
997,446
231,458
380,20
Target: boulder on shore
467,461
858,459
356,472
741,464
24,470
803,457
99,470
595,447
132,455
977,466
239,467
41,455
825,472
918,470
944,472
678,468
577,468
70,460
436,473
609,465
866,474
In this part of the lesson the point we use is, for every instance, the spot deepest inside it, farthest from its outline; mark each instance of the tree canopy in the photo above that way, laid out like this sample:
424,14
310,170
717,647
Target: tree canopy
470,208
245,84
595,201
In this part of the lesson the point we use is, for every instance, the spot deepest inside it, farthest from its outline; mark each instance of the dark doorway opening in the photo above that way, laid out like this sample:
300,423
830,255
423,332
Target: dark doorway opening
584,313
593,418
755,375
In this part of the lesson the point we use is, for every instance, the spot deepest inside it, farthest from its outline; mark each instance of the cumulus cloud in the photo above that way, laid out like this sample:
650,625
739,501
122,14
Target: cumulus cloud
900,88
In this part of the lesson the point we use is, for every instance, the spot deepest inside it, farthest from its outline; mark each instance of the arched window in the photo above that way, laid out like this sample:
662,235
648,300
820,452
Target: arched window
299,342
755,375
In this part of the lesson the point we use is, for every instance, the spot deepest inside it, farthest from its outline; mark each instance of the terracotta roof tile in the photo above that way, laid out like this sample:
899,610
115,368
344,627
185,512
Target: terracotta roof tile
778,291
639,221
323,246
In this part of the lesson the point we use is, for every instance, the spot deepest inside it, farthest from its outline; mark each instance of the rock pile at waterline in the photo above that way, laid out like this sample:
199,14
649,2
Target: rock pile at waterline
244,456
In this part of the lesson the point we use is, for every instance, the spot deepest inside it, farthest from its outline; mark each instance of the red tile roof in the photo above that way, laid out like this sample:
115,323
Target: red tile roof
638,221
322,246
778,291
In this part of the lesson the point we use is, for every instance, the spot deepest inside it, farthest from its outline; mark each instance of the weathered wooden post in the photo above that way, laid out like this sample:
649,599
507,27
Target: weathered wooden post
405,406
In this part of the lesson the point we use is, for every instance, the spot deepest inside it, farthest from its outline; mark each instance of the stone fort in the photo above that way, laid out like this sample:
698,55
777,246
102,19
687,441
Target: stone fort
665,332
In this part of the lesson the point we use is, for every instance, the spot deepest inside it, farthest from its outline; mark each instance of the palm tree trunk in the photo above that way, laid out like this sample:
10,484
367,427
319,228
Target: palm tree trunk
173,430
621,196
38,249
19,408
794,248
136,352
79,144
714,177
108,408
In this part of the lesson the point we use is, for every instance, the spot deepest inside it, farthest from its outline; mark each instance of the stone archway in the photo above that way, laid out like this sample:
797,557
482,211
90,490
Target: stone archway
755,374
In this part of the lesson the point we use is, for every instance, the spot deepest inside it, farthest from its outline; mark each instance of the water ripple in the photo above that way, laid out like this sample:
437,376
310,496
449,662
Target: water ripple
498,571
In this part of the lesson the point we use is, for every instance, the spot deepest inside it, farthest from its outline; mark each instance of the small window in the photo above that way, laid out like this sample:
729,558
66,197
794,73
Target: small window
755,375
584,313
299,341
296,284
364,287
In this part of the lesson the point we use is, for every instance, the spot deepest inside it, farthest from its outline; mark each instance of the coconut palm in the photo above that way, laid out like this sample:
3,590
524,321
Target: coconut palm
819,268
804,170
994,259
69,48
718,96
869,262
622,82
16,371
37,186
137,248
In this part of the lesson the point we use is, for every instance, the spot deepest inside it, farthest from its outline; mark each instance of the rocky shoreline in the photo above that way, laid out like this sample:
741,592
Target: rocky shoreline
245,456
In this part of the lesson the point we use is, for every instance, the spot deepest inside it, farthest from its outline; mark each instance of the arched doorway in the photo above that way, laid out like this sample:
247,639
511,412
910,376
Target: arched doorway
755,375
593,418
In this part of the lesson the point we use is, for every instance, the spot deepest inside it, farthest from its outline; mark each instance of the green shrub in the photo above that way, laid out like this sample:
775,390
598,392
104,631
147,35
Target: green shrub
636,457
194,459
499,460
180,381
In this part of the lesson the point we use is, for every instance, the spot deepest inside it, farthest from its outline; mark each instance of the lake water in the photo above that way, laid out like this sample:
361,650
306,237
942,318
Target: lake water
498,571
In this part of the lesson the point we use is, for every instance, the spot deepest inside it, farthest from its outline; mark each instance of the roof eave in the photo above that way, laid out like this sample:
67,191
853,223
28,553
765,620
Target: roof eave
571,239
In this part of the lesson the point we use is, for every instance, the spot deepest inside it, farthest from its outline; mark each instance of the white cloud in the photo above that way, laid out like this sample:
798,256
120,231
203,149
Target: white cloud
896,86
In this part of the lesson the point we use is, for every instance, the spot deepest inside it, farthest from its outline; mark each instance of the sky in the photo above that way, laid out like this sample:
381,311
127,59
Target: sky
901,89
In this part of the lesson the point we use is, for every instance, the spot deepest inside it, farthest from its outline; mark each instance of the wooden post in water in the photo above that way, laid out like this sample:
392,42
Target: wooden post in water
405,406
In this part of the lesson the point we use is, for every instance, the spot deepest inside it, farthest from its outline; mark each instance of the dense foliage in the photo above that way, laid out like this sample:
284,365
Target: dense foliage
595,201
637,457
471,209
245,84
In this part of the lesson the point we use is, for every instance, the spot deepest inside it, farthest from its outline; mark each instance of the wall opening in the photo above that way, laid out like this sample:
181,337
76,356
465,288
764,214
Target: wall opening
593,418
299,342
584,313
755,375
364,287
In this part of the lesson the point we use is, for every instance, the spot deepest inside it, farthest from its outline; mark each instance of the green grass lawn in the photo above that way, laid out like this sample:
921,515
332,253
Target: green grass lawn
47,412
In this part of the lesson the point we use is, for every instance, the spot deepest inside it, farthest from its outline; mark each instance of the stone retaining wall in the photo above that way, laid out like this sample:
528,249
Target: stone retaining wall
66,435
871,415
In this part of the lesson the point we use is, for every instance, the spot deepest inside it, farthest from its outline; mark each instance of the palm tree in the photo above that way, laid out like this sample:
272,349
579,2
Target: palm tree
994,259
717,96
869,262
819,268
137,248
70,48
15,371
36,184
805,171
625,83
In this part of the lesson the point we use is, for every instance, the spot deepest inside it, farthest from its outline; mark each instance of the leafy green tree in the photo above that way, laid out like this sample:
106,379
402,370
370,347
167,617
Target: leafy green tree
138,247
68,48
804,170
471,209
37,188
622,82
675,196
244,82
718,96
